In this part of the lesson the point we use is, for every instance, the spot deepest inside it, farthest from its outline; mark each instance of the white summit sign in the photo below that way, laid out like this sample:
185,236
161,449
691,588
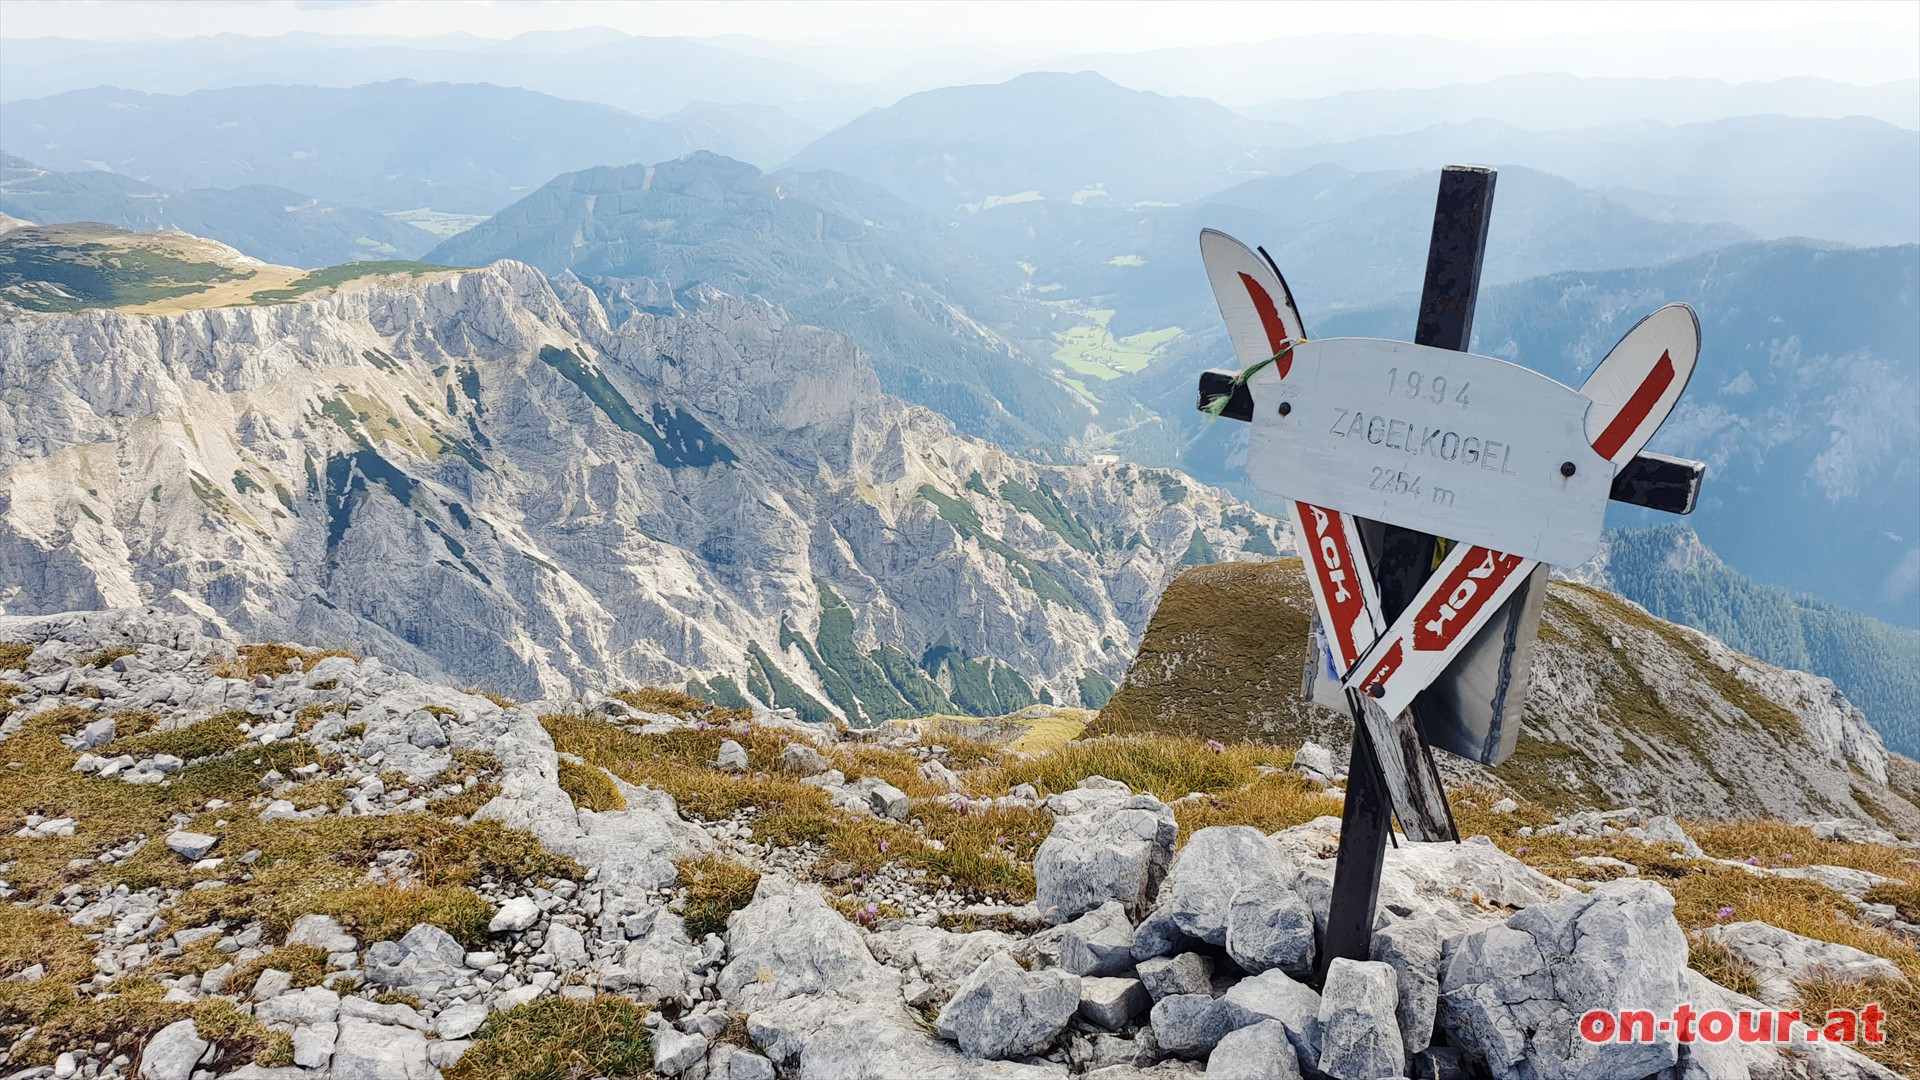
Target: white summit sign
1463,446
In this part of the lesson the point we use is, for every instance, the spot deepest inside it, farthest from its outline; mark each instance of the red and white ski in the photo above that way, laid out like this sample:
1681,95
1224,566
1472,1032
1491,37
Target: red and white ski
1632,392
1262,321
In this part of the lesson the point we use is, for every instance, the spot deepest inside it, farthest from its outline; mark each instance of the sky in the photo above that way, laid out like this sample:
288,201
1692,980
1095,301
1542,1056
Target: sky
1037,24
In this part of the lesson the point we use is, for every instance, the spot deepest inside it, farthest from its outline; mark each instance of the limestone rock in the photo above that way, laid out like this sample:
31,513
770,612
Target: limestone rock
172,1052
1003,1011
1190,1025
370,1051
459,1021
803,759
1260,1051
674,1052
789,943
1780,958
1359,1037
1270,926
300,1008
1119,853
1413,948
1159,935
1099,942
937,774
1112,1003
1513,993
322,932
427,957
515,915
191,846
1213,866
1183,973
1272,995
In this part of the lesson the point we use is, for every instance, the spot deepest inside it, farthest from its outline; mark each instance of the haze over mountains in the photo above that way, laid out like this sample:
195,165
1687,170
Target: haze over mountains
1010,241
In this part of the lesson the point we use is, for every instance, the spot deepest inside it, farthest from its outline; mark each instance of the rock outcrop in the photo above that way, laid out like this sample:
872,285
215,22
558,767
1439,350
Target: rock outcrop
476,476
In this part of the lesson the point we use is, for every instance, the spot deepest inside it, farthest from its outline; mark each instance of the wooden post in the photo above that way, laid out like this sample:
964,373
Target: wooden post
1462,211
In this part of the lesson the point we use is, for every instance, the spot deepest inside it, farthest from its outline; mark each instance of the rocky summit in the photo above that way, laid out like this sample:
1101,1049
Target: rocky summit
259,860
478,476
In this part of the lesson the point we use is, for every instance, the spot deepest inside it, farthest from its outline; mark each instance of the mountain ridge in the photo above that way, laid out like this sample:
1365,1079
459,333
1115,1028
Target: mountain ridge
440,470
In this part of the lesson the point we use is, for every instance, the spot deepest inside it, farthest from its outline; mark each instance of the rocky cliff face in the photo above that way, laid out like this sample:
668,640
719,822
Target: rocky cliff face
1624,709
475,475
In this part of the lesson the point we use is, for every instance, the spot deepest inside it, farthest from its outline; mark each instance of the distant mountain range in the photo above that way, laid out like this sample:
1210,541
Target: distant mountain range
1848,179
1802,405
1344,239
944,330
268,223
648,75
1048,135
458,148
1558,101
829,78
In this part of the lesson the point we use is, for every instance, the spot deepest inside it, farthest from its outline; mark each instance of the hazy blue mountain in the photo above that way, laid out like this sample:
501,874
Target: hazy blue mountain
760,135
1803,404
1249,71
1047,132
647,75
1849,179
269,223
1668,571
1558,101
1343,239
943,329
466,148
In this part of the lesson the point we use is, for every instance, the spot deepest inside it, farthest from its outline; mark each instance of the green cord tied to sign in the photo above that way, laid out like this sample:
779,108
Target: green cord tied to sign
1217,404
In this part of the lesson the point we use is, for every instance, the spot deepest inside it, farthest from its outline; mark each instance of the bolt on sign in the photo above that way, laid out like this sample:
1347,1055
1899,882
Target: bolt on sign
1373,442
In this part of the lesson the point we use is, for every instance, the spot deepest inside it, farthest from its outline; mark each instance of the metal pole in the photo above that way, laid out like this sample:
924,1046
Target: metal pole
1462,211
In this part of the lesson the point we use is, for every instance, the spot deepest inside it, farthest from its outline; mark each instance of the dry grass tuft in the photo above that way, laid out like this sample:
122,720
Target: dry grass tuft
1167,766
1776,843
306,963
13,655
1723,966
555,1038
125,1017
108,655
589,788
1269,803
1899,1001
272,660
211,737
656,699
716,888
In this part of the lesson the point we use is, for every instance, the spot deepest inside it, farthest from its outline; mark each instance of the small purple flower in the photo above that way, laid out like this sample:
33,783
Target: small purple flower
1521,850
884,845
1726,913
1753,860
1216,746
